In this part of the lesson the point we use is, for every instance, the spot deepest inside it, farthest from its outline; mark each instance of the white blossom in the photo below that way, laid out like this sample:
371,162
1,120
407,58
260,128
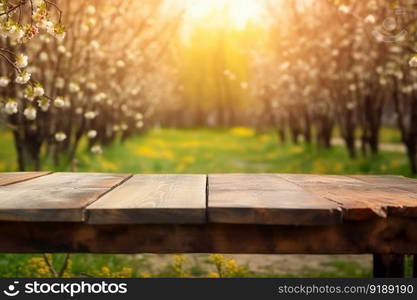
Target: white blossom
120,64
38,91
413,62
16,33
23,78
73,87
91,134
30,113
36,3
382,81
351,105
139,124
60,36
61,49
60,83
99,97
21,61
91,86
29,94
60,136
44,104
370,19
138,116
11,107
89,115
43,56
59,102
4,81
96,149
46,25
344,9
91,10
94,45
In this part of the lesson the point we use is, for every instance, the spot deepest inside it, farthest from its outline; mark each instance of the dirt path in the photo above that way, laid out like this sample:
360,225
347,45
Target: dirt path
277,264
389,147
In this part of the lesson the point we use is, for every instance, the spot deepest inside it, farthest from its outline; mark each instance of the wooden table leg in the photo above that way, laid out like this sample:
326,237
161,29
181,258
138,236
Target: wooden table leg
388,265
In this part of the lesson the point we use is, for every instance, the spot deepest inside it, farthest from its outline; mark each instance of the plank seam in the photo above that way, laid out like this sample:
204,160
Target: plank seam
41,174
340,207
85,214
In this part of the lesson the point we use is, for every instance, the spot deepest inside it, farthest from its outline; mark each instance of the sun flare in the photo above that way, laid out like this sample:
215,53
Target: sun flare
240,12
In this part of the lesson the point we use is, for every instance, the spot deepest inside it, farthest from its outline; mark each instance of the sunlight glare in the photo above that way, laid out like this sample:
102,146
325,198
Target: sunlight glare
241,12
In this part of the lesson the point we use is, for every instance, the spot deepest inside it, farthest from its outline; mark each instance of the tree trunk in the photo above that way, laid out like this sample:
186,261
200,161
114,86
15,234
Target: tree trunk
327,135
364,144
374,142
307,128
19,151
350,145
282,135
295,135
348,129
412,157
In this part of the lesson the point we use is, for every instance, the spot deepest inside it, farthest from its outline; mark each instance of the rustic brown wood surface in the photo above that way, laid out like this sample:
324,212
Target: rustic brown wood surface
14,177
59,197
225,213
269,199
266,199
75,180
396,235
153,199
360,199
389,181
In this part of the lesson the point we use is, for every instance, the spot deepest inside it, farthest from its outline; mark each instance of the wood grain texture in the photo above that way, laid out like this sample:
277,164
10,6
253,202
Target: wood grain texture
383,236
59,197
390,181
153,199
266,199
15,177
358,198
75,180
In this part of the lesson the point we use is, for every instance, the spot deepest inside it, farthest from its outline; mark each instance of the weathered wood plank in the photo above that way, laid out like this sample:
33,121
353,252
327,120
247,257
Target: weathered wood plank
390,181
15,177
393,235
266,199
59,197
77,180
359,199
153,199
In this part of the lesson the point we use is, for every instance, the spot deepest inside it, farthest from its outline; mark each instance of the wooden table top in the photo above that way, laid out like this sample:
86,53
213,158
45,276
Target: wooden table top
270,199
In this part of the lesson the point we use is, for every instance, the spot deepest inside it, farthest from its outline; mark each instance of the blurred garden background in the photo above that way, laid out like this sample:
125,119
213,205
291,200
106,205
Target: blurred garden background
216,86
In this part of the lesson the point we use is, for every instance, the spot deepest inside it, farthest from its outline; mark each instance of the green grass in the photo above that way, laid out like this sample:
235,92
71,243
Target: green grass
220,151
236,150
207,151
387,135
